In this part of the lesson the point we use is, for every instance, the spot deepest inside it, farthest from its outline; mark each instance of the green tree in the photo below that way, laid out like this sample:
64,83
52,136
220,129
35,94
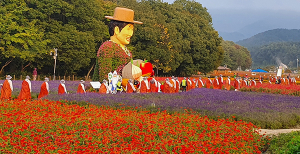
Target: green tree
235,56
96,76
19,36
177,38
75,27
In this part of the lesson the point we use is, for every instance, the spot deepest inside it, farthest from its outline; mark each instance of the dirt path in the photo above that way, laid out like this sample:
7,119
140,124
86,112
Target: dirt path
271,132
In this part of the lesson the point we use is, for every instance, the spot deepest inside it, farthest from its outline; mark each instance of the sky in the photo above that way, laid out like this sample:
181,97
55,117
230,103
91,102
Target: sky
291,5
250,17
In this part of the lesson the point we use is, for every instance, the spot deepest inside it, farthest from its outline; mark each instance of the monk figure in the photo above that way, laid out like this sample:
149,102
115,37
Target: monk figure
177,85
194,83
44,89
130,87
62,88
167,86
216,84
144,87
220,79
113,54
173,82
200,83
227,83
153,86
25,93
81,89
104,88
208,83
189,84
7,88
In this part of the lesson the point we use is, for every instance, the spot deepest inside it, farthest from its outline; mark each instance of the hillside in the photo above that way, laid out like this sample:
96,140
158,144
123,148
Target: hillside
275,53
271,36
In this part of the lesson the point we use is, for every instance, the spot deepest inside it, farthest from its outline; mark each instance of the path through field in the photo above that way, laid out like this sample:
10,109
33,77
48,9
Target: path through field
270,132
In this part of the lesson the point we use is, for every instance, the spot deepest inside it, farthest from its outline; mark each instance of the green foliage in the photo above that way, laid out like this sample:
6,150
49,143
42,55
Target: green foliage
267,46
286,52
177,38
19,35
236,55
288,143
271,36
96,76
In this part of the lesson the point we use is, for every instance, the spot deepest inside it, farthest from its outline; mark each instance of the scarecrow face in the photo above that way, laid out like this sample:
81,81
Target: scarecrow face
124,35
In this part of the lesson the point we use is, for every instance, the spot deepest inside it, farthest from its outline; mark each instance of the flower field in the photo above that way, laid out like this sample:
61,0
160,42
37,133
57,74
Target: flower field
274,89
43,126
262,109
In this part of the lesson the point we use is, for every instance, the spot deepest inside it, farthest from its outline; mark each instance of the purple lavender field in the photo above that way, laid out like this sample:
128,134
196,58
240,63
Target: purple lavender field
265,110
262,109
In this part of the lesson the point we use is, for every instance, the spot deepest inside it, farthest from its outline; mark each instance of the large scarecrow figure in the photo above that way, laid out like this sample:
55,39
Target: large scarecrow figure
113,55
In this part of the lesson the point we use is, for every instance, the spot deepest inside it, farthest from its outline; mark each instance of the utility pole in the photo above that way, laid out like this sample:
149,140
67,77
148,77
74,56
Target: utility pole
297,64
54,57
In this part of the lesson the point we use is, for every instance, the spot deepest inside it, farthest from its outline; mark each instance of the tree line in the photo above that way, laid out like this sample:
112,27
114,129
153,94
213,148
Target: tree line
178,38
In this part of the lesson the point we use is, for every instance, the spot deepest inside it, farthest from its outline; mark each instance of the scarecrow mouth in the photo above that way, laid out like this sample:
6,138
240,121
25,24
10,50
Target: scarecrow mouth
128,39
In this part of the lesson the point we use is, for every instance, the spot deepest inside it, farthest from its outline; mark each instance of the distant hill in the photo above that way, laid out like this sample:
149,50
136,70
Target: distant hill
271,36
235,25
275,54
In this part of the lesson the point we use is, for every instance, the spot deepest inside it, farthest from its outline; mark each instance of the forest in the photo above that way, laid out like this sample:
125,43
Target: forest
178,38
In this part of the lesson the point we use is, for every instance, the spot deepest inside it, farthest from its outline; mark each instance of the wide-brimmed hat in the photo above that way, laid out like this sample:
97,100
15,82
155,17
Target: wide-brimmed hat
123,14
8,77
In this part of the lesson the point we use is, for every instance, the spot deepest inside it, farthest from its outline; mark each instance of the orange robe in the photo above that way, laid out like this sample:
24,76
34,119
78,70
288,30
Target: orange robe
80,89
193,84
153,88
61,89
177,86
208,83
227,84
102,89
215,84
143,88
189,85
166,88
6,90
243,83
172,89
200,83
129,88
44,91
25,91
220,82
236,84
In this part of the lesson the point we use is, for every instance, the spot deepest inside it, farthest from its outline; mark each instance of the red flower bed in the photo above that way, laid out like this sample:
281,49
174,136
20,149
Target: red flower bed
275,89
43,126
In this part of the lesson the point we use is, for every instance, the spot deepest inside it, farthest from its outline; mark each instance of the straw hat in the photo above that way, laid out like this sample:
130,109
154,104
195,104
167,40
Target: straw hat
123,14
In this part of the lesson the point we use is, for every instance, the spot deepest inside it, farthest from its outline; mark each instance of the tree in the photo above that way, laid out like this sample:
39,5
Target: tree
96,76
19,36
177,38
75,27
235,56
